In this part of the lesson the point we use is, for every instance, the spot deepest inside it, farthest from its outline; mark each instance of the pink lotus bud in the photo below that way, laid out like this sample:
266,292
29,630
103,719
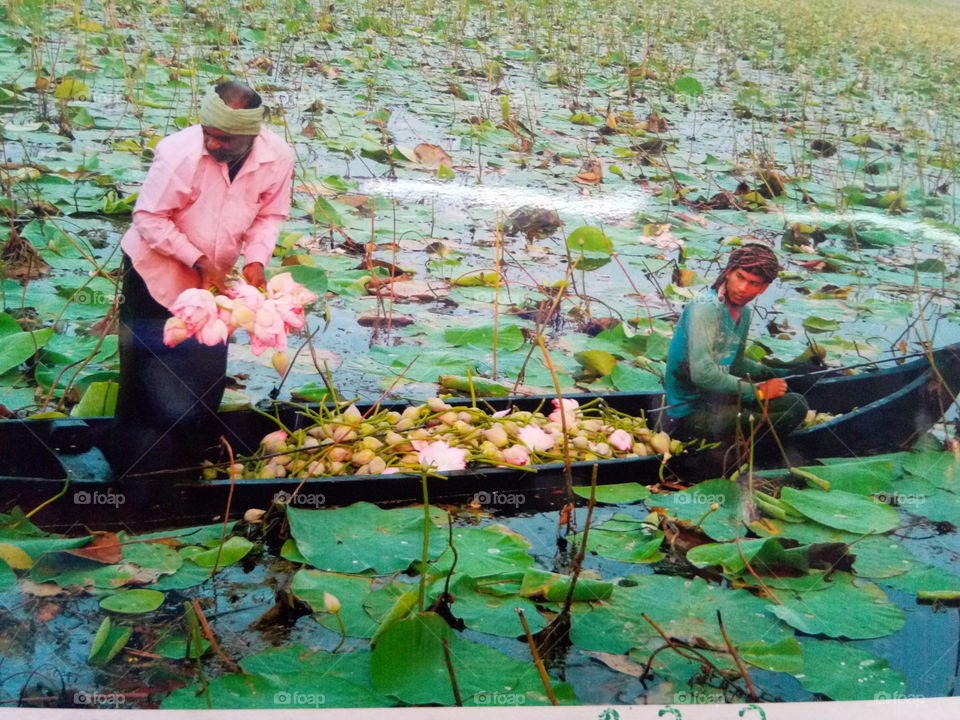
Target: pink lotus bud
213,332
274,442
281,363
621,440
516,455
330,603
439,456
174,332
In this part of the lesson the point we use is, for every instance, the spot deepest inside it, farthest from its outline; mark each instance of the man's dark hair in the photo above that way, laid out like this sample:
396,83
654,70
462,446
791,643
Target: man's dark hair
754,258
233,93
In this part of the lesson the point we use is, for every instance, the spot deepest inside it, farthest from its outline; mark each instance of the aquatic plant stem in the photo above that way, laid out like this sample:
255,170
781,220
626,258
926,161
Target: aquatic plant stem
41,506
582,550
736,658
226,512
211,638
537,660
448,661
343,632
498,259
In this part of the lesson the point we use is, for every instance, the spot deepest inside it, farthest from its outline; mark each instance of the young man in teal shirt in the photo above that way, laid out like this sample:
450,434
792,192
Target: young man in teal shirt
711,386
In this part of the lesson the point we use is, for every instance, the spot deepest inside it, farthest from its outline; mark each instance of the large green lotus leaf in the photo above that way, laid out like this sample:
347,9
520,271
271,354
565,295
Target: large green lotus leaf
615,494
491,612
9,325
350,590
806,533
616,625
408,664
275,692
923,578
196,535
940,469
843,672
882,557
863,477
841,610
361,537
508,338
133,602
624,538
693,505
37,547
766,557
232,550
17,347
842,510
481,552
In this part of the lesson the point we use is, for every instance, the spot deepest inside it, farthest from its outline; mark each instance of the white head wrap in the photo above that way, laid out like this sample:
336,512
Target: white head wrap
214,112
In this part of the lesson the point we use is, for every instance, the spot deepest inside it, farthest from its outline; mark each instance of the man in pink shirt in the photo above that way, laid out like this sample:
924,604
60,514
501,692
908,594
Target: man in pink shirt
214,191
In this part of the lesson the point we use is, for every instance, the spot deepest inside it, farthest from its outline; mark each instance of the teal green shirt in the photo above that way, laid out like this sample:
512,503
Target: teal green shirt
706,355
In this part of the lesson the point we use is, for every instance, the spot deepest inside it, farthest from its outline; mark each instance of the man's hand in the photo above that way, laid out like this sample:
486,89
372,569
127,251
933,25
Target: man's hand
253,274
771,389
210,276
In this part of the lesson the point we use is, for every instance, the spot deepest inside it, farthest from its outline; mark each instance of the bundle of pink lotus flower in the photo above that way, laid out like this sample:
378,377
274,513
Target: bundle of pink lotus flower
439,437
266,315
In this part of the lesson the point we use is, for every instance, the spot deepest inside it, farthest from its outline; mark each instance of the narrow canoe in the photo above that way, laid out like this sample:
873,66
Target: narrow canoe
880,411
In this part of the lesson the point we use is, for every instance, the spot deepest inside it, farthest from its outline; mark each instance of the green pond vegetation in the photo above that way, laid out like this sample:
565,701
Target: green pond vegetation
475,178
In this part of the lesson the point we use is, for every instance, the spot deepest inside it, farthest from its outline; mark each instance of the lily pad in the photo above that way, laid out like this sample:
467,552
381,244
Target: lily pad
350,590
133,602
882,557
939,469
615,494
482,552
842,610
362,537
843,672
845,511
625,538
234,549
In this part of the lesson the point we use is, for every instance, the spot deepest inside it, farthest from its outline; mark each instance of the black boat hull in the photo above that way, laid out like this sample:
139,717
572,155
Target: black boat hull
882,411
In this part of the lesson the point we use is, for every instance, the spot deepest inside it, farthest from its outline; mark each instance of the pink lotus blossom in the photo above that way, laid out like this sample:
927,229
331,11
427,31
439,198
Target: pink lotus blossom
267,330
195,307
439,457
501,413
247,294
214,332
389,471
535,438
621,440
284,288
516,455
569,408
174,332
291,314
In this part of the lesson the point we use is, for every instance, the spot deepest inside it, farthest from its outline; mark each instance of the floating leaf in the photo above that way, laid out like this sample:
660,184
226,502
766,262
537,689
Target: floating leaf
71,88
589,239
108,641
843,672
625,538
846,511
15,557
508,338
20,346
175,647
687,85
596,362
232,550
352,591
616,494
555,587
816,324
133,601
841,610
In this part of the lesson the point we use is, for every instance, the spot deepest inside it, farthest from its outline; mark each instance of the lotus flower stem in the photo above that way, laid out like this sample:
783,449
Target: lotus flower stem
537,660
736,658
426,541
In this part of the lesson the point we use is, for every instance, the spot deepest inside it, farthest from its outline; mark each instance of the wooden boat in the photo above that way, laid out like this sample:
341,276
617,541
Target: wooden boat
879,411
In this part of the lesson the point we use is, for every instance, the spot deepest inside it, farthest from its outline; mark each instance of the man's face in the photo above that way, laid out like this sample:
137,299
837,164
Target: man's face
226,147
743,286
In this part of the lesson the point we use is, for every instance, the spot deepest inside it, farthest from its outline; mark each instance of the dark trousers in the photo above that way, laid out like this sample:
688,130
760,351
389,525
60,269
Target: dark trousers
718,419
166,415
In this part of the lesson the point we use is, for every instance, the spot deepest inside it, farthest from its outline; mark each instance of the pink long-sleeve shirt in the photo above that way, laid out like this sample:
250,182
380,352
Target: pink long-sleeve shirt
189,207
